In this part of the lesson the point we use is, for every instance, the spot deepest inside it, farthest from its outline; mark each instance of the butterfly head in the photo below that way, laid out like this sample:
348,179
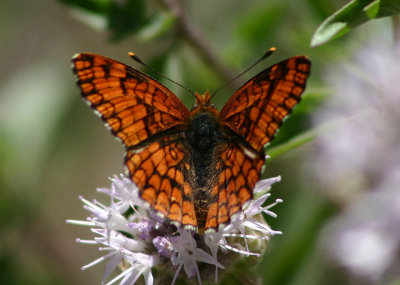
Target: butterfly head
203,103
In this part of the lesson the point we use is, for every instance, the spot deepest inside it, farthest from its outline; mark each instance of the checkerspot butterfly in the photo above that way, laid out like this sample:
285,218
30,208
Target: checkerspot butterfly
197,168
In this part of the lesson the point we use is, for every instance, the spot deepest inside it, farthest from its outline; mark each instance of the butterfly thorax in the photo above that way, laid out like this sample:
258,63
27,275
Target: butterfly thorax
205,138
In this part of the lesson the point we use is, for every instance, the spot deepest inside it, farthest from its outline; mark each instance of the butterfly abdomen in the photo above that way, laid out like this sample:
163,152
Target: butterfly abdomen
204,136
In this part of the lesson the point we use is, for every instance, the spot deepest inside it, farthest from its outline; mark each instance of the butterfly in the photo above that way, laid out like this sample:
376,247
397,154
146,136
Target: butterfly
196,168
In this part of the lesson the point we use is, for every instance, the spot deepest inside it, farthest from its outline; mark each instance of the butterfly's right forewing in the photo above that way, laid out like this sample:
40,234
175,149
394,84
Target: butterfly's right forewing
134,106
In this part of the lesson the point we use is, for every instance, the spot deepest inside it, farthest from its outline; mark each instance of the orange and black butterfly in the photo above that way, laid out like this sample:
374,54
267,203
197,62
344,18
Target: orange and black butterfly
197,168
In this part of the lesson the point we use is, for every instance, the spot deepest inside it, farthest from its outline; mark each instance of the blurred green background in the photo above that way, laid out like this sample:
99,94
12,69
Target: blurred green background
52,148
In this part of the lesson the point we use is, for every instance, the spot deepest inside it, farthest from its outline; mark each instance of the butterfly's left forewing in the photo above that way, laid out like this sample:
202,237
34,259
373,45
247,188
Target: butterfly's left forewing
150,120
258,108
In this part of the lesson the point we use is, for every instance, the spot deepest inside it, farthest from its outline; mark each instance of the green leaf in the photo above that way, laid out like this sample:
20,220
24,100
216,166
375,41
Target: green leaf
353,14
389,8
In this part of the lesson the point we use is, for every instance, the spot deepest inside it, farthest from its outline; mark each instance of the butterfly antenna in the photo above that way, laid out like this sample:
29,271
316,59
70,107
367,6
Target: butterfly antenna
138,60
266,54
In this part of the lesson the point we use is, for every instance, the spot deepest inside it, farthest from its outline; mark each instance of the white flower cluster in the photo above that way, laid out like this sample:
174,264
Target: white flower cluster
137,240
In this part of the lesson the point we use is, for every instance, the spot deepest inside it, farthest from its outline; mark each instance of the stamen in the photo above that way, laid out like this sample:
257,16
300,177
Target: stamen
86,241
176,273
118,277
234,249
80,223
97,261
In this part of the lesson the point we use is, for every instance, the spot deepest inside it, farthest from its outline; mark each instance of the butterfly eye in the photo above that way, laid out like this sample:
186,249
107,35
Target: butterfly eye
212,105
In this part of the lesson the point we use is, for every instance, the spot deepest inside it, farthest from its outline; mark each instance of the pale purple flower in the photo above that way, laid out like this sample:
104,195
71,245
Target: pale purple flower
187,254
142,240
164,246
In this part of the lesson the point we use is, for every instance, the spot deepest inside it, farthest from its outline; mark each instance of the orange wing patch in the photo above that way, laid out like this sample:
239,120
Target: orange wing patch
234,186
159,172
134,106
258,108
